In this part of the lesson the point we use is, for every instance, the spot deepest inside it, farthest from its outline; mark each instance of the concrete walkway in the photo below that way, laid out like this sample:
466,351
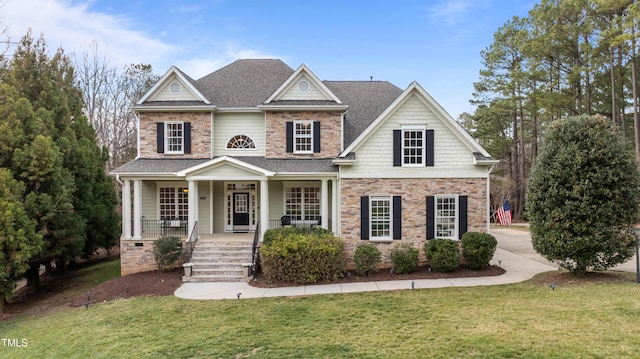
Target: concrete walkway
514,253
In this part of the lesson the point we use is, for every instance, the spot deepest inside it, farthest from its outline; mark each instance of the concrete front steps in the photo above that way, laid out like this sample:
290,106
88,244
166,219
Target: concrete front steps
220,261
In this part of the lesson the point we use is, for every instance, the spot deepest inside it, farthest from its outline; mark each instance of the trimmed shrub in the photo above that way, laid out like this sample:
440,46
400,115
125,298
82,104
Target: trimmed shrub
367,258
442,254
276,234
478,249
166,251
404,259
307,257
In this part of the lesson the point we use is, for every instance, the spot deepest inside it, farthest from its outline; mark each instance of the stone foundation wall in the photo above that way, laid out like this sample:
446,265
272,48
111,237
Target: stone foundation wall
413,193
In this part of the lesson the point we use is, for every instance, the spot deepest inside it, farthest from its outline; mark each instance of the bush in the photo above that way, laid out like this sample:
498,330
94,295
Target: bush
302,257
166,251
367,258
404,259
276,234
582,195
442,254
478,249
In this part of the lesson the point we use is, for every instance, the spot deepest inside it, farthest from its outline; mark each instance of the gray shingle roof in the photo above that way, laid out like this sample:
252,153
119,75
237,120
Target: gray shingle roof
366,101
158,166
171,166
244,83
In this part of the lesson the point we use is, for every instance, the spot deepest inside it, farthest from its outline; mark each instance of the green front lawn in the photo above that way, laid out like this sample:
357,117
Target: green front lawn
520,320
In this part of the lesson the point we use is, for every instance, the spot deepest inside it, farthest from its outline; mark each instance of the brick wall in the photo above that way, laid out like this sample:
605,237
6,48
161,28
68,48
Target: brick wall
330,124
200,133
414,193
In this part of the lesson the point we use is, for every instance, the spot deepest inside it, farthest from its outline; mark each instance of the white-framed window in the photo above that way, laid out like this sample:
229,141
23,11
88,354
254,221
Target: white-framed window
446,217
380,217
302,203
303,137
413,147
173,203
241,142
174,137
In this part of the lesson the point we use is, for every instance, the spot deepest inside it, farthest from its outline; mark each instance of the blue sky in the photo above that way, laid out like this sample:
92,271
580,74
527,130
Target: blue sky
434,42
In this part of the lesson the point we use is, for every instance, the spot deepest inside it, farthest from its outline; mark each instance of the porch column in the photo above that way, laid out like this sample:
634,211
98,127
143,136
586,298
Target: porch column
193,206
126,209
334,206
137,209
324,204
264,207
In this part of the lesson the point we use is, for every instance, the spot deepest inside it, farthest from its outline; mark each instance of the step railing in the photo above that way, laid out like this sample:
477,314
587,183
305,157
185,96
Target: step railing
254,250
189,244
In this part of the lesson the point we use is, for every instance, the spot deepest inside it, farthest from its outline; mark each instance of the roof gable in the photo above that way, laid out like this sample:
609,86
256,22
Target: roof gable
443,116
224,166
294,88
166,90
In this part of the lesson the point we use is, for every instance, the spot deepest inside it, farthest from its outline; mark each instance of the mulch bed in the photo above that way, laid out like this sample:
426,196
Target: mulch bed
423,272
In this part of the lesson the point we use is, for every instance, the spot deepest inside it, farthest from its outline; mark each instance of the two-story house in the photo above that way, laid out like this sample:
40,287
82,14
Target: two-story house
256,143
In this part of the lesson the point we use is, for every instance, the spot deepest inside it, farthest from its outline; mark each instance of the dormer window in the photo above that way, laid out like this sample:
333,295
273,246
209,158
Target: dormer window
241,142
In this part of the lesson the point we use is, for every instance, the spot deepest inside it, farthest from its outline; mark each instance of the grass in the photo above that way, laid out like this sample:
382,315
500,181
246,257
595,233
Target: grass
525,320
93,275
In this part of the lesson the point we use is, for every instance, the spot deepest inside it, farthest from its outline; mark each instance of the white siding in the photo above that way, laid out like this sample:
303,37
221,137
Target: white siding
228,125
164,94
204,210
149,200
292,92
375,157
219,203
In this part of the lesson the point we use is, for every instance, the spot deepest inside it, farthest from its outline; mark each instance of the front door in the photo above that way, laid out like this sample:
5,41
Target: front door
241,211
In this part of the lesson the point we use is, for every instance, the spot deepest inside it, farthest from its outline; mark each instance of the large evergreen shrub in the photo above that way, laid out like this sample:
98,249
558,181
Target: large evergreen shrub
583,195
303,257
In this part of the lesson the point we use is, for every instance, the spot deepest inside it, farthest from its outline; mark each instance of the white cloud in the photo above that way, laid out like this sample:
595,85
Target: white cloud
73,27
451,11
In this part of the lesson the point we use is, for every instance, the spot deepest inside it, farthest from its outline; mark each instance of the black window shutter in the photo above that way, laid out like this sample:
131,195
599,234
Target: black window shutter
364,217
316,137
160,136
462,216
397,148
397,217
289,137
431,218
187,137
430,147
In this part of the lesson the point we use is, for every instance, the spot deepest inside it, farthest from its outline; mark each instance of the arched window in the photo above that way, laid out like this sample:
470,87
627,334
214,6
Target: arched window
241,142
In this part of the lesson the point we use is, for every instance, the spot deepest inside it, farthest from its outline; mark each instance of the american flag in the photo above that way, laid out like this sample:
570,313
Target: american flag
504,214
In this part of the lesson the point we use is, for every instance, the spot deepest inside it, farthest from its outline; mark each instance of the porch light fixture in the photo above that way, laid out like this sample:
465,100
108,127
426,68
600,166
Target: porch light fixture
185,190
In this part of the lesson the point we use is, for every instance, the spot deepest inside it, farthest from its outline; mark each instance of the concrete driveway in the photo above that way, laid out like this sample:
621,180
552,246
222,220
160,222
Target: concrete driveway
518,241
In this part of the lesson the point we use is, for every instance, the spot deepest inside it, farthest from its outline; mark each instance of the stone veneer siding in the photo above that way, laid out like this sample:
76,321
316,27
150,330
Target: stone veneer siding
413,193
200,133
276,131
136,259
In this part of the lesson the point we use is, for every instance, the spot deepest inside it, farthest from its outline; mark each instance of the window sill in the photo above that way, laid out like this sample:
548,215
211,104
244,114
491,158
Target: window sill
381,240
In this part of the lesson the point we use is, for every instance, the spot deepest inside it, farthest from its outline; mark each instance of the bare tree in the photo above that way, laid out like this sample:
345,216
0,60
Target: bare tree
108,96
